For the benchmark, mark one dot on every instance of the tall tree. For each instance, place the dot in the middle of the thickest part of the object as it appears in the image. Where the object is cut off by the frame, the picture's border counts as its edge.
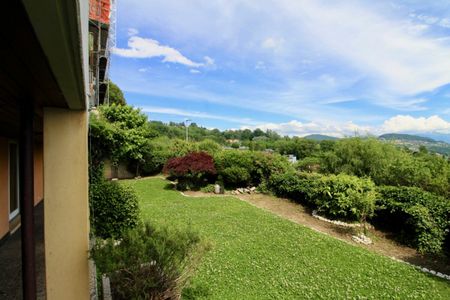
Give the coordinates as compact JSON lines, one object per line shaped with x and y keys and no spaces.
{"x":116,"y":95}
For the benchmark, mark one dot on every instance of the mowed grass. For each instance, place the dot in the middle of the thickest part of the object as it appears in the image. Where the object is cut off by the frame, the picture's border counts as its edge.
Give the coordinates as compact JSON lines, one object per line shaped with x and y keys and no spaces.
{"x":257,"y":255}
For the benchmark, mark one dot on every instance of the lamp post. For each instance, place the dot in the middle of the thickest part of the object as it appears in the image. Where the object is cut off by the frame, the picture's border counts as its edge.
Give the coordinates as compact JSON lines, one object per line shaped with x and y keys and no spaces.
{"x":187,"y":128}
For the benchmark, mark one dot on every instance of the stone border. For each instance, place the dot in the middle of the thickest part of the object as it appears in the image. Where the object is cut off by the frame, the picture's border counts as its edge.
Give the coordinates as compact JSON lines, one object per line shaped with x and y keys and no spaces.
{"x":425,"y":270}
{"x":339,"y":223}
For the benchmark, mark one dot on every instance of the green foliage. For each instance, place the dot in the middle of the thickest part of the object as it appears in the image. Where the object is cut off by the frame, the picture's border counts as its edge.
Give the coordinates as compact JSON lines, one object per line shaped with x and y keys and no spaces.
{"x":421,"y":219}
{"x":150,"y":262}
{"x":156,"y":152}
{"x":301,"y":148}
{"x":210,"y":188}
{"x":246,"y":168}
{"x":209,"y":146}
{"x":309,"y":164}
{"x":338,"y":196}
{"x":388,"y":165}
{"x":119,"y":133}
{"x":116,"y":95}
{"x":360,"y":157}
{"x":113,"y":208}
{"x":345,"y":196}
{"x":235,"y":176}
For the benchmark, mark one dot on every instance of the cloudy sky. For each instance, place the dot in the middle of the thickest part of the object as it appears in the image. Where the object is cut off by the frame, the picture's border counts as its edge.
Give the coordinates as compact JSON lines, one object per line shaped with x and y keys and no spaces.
{"x":295,"y":66}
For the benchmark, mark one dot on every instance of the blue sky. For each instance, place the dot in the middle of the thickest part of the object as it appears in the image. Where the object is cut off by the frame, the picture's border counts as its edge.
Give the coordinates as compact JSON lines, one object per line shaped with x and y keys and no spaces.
{"x":297,"y":67}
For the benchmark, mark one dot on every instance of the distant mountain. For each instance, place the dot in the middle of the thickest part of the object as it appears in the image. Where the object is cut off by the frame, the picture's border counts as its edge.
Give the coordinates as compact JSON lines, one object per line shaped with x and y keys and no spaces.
{"x":320,"y":137}
{"x":438,"y":136}
{"x":413,"y":142}
{"x":405,"y":137}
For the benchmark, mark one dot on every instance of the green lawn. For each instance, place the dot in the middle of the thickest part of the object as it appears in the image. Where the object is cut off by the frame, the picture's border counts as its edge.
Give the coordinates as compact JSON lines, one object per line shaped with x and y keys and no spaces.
{"x":257,"y":255}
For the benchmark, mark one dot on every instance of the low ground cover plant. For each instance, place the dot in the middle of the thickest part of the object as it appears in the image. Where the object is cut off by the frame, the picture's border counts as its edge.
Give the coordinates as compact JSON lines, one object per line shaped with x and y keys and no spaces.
{"x":150,"y":262}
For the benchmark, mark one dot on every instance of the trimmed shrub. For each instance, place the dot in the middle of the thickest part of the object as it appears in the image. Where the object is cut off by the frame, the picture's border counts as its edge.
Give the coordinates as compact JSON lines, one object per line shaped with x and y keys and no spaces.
{"x":192,"y":170}
{"x":210,"y":188}
{"x":345,"y":196}
{"x":236,"y":176}
{"x":338,"y":196}
{"x":149,"y":262}
{"x":421,"y":219}
{"x":297,"y":186}
{"x":209,"y":146}
{"x":113,"y":208}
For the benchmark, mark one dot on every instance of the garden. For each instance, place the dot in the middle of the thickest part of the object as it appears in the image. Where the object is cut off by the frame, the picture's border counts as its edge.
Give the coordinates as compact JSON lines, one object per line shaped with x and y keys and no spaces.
{"x":156,"y":243}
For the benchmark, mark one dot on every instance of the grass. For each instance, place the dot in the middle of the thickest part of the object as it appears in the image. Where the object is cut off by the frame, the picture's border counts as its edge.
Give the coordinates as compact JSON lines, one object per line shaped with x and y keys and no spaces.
{"x":257,"y":255}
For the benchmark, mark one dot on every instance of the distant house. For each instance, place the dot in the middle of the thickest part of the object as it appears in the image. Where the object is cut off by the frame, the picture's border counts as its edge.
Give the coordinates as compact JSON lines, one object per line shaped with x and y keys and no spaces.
{"x":292,"y":158}
{"x":48,"y":75}
{"x":233,"y":141}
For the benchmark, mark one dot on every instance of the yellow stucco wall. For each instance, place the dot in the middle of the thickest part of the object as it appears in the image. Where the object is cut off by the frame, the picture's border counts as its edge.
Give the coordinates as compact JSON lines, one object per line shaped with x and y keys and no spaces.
{"x":66,"y":207}
{"x":4,"y":200}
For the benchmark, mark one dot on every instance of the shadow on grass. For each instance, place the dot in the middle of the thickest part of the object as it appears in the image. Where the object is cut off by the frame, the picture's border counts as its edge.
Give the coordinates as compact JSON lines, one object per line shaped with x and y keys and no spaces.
{"x":170,"y":186}
{"x":195,"y":291}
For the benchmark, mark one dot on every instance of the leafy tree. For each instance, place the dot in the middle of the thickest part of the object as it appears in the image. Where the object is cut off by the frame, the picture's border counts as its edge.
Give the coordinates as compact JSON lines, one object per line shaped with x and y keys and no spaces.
{"x":116,"y":95}
{"x":119,"y":133}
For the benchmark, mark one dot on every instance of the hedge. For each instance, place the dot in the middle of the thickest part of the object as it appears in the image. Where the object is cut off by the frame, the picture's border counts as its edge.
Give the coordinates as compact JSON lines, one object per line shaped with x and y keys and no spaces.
{"x":248,"y":168}
{"x":421,"y":219}
{"x":113,"y":208}
{"x":339,"y":196}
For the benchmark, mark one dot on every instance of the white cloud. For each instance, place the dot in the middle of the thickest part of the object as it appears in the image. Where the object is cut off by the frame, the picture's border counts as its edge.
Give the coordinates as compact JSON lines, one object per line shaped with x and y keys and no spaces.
{"x":139,"y":47}
{"x":209,"y":61}
{"x":194,"y":71}
{"x":194,"y":114}
{"x":428,"y":19}
{"x":396,"y":124}
{"x":390,"y":57}
{"x":297,"y":128}
{"x":143,"y":70}
{"x":132,"y":31}
{"x":405,"y":123}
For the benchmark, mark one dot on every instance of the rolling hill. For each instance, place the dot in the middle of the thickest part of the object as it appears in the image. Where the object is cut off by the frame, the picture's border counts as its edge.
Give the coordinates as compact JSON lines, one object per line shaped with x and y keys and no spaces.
{"x":413,"y":142}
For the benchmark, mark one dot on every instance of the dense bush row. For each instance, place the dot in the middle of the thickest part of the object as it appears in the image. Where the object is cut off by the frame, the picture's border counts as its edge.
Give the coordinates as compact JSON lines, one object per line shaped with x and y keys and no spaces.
{"x":248,"y":168}
{"x":420,"y":219}
{"x":338,"y":196}
{"x":233,"y":168}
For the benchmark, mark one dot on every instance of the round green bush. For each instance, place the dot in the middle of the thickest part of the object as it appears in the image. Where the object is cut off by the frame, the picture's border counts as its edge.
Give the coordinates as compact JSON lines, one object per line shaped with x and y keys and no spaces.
{"x":236,"y":176}
{"x":114,"y":209}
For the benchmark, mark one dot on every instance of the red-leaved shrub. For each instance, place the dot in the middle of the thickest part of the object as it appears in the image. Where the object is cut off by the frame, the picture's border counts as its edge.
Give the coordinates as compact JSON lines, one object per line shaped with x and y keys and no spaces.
{"x":191,"y":170}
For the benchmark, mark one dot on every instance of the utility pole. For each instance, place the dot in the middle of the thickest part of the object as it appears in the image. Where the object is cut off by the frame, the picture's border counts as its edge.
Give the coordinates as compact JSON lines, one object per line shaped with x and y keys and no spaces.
{"x":187,"y":128}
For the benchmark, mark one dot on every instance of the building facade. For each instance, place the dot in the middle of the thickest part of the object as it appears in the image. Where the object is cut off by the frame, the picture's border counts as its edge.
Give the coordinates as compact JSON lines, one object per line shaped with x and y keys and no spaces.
{"x":47,"y":86}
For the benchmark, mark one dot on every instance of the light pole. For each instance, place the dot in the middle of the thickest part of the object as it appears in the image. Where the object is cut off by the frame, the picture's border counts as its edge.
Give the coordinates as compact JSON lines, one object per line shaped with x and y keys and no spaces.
{"x":187,"y":128}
